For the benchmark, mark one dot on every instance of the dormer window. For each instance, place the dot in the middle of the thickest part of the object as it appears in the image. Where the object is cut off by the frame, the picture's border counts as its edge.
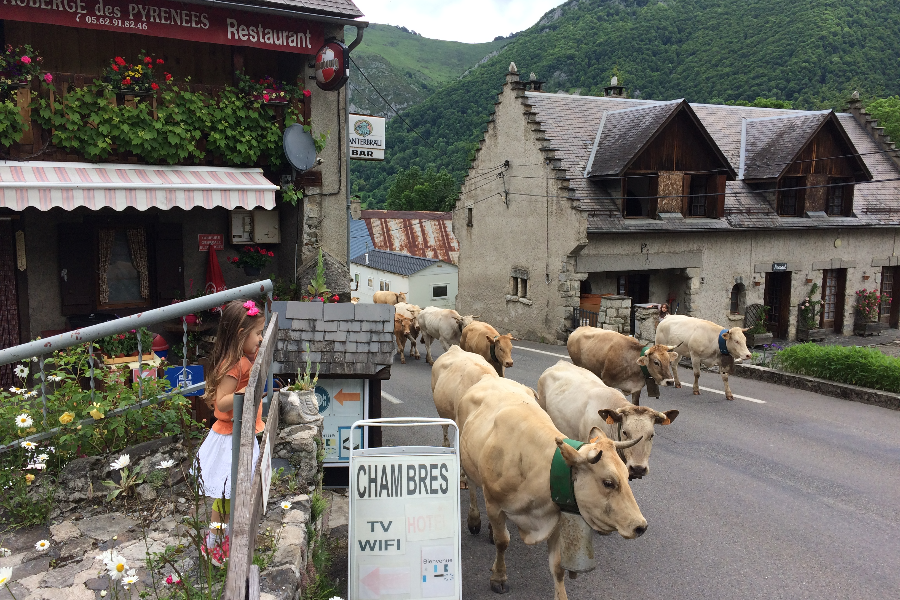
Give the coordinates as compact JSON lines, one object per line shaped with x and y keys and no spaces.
{"x":840,"y":197}
{"x":790,"y":196}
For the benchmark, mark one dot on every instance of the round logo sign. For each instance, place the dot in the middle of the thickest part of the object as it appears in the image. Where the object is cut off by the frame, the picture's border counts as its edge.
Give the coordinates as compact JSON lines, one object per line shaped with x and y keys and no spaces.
{"x":332,"y":66}
{"x":363,"y":128}
{"x":323,"y":397}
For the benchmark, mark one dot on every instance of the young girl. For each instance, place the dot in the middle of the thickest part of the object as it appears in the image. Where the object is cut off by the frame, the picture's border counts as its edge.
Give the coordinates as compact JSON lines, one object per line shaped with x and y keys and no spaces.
{"x":237,"y":342}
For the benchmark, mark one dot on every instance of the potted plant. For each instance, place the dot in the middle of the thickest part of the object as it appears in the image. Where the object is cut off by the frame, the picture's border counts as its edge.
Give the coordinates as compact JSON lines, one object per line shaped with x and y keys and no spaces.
{"x":865,"y":320}
{"x":18,"y":66}
{"x":252,"y":259}
{"x":808,"y":318}
{"x":267,"y":89}
{"x":138,"y":78}
{"x":298,"y":401}
{"x":757,"y":335}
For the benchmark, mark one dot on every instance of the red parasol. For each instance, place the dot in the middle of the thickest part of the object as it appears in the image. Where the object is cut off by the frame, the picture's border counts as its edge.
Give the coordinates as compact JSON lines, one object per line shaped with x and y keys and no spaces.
{"x":215,"y":281}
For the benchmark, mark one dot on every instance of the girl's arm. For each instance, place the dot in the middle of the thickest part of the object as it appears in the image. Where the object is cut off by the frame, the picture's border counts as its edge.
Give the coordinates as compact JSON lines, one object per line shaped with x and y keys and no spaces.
{"x":225,"y":393}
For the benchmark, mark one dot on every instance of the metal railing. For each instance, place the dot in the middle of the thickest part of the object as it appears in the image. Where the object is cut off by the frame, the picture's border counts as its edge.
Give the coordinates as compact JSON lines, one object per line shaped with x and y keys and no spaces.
{"x":41,"y":347}
{"x":582,"y":317}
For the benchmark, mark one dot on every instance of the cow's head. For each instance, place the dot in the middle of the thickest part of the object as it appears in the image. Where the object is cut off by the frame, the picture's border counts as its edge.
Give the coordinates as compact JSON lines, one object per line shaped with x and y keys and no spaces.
{"x":601,"y":486}
{"x":465,"y":321}
{"x":501,"y":348}
{"x":736,"y":343}
{"x":401,"y":297}
{"x":403,"y":326}
{"x":637,"y":422}
{"x":658,"y":360}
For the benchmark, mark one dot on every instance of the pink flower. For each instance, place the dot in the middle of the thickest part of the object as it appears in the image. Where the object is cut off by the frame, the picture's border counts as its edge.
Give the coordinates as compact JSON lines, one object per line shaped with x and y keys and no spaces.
{"x":266,"y":97}
{"x":169,"y":580}
{"x":26,"y":60}
{"x":48,"y":77}
{"x":307,"y":93}
{"x":271,"y":253}
{"x":253,"y":312}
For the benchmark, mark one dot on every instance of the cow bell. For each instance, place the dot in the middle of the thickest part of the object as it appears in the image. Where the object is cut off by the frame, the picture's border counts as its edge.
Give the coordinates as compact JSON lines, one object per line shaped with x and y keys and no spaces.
{"x":576,"y":544}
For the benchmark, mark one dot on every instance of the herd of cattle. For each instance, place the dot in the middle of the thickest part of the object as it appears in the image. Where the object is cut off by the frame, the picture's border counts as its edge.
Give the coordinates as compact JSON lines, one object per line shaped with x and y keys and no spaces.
{"x":509,"y":433}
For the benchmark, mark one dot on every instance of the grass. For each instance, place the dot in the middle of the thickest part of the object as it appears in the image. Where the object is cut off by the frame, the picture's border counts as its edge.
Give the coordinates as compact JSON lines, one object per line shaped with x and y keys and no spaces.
{"x":865,"y":367}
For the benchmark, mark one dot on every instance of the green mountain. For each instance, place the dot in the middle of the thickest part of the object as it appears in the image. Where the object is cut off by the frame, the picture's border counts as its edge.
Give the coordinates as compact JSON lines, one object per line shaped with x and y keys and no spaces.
{"x":811,"y":53}
{"x":406,"y":67}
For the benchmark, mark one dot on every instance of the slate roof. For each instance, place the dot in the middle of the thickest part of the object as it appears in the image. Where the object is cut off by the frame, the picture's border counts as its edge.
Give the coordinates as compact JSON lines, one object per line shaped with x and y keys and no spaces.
{"x":334,"y":8}
{"x":771,"y":143}
{"x":394,"y":262}
{"x":360,"y":240}
{"x":623,"y":133}
{"x":570,"y":125}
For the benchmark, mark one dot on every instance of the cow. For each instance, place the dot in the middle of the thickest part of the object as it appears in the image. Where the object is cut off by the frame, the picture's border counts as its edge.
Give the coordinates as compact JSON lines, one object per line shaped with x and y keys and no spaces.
{"x":577,"y":401}
{"x":507,"y":445}
{"x":410,"y":311}
{"x":454,"y":372}
{"x":388,"y":297}
{"x":483,"y":339}
{"x":706,"y":343}
{"x":405,"y":329}
{"x":442,"y":324}
{"x":621,"y":361}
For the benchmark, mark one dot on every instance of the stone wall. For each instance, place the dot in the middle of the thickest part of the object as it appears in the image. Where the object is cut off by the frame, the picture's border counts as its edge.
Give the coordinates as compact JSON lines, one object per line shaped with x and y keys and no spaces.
{"x":645,"y":321}
{"x":615,"y":314}
{"x":343,"y":339}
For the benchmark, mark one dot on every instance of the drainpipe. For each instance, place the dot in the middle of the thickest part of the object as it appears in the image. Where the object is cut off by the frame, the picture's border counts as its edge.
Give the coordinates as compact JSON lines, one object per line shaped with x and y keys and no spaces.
{"x":354,"y":44}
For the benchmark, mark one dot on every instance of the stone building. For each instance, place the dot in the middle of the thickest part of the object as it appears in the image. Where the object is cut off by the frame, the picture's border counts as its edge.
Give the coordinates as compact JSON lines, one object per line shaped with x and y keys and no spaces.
{"x":707,"y":208}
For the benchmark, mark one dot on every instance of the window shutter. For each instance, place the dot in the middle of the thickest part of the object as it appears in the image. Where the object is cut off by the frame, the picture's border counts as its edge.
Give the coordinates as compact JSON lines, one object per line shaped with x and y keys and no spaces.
{"x":717,"y":204}
{"x":848,"y":199}
{"x":654,"y":196}
{"x":623,"y":194}
{"x":77,"y":269}
{"x":168,"y":267}
{"x":686,"y":195}
{"x":801,"y":196}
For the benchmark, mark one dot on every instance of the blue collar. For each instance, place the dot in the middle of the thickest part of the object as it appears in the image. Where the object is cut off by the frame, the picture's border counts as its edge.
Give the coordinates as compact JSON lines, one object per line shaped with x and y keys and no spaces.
{"x":723,"y":349}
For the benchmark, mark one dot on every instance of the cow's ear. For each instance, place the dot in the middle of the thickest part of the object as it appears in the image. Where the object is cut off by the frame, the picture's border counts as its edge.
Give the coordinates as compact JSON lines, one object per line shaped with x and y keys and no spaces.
{"x":490,"y":339}
{"x":726,"y":335}
{"x":596,"y":435}
{"x":643,"y":361}
{"x":608,"y":415}
{"x":569,"y":454}
{"x":673,"y":356}
{"x":665,"y":418}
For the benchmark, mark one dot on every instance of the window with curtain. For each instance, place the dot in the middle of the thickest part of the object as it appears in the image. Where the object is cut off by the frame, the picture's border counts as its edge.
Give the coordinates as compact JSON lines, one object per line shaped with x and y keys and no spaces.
{"x":123,"y":267}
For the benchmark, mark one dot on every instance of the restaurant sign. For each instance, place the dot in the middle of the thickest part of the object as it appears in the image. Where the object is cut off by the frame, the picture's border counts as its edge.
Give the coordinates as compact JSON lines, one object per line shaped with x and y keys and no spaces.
{"x":161,"y":18}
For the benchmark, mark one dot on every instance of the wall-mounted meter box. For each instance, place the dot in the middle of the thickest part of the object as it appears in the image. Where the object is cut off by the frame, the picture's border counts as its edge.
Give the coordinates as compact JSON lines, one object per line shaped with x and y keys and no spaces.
{"x":258,"y":226}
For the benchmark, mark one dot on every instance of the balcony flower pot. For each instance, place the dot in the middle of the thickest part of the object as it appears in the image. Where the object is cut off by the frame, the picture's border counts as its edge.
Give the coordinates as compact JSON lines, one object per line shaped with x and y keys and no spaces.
{"x":865,"y":328}
{"x":816,"y":334}
{"x":252,"y":271}
{"x":759,"y":339}
{"x":299,"y":407}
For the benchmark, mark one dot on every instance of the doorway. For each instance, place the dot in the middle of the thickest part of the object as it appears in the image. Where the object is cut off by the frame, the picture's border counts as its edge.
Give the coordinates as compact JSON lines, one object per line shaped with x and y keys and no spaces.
{"x":778,"y":299}
{"x":889,"y":310}
{"x":635,"y":285}
{"x":9,"y":298}
{"x":834,"y":293}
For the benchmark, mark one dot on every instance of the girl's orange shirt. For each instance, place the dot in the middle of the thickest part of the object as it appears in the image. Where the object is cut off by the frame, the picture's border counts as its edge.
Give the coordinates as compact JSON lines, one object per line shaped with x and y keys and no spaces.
{"x":224,"y":420}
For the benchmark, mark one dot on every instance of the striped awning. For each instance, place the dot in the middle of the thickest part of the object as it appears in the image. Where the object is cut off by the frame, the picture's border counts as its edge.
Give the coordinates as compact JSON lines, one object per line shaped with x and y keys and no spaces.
{"x":68,"y":185}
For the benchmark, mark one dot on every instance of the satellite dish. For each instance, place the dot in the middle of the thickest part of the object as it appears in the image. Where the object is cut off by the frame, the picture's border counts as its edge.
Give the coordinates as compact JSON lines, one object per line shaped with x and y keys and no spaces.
{"x":299,"y":148}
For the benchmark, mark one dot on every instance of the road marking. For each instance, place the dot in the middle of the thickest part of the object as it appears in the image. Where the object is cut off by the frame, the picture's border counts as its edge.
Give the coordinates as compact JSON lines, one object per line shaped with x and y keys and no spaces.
{"x":747,"y":398}
{"x":389,"y":398}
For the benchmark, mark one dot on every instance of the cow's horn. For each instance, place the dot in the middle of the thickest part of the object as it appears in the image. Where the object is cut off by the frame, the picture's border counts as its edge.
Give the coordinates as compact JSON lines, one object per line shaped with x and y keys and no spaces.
{"x":627,"y":444}
{"x":670,"y":348}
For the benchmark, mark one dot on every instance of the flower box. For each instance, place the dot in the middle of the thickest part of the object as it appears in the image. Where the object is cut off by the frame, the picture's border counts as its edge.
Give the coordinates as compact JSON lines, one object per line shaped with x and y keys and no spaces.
{"x":759,"y":339}
{"x":272,"y":96}
{"x":868,"y":328}
{"x":127,"y":359}
{"x":816,"y":334}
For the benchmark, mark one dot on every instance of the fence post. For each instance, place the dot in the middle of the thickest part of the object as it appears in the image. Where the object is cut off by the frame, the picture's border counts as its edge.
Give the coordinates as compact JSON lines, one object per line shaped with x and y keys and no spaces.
{"x":238,"y":413}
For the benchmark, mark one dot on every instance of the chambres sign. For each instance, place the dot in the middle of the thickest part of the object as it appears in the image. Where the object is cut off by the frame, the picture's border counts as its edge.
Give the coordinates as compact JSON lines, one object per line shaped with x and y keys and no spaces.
{"x":161,"y":18}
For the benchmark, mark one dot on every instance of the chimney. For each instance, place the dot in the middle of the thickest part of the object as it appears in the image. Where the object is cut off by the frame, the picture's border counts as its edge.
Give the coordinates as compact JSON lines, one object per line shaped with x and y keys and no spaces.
{"x":367,"y":258}
{"x":614,"y":90}
{"x":534,"y":84}
{"x":513,"y":74}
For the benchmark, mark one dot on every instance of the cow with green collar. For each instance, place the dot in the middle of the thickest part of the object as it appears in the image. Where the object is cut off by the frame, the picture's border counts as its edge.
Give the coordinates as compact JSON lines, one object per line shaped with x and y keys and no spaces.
{"x":508,"y":445}
{"x":621,"y":361}
{"x":578,"y":401}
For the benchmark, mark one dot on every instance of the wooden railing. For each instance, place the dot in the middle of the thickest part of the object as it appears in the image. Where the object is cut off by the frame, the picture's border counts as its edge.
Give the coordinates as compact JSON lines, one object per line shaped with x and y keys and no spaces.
{"x":247,"y":501}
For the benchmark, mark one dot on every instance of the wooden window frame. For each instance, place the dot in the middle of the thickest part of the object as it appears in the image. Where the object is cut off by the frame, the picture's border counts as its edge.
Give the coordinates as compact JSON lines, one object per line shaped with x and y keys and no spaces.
{"x":796,"y":184}
{"x":844,"y":185}
{"x":714,"y":190}
{"x":120,"y":227}
{"x":653,"y":194}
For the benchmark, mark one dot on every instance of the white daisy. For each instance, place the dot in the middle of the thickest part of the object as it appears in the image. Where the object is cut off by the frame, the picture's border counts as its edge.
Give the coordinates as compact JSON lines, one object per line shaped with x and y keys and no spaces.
{"x":42,"y":545}
{"x":31,"y":394}
{"x":285,"y":505}
{"x":121,"y":463}
{"x":116,"y":567}
{"x":103,"y":593}
{"x":16,"y":390}
{"x":5,"y":552}
{"x":55,"y":378}
{"x":24,"y":421}
{"x":43,"y":457}
{"x":131,"y":579}
{"x":28,"y":445}
{"x":217,"y":526}
{"x":37,"y":467}
{"x":166,"y":464}
{"x":5,"y":575}
{"x":21,"y":371}
{"x":50,"y":449}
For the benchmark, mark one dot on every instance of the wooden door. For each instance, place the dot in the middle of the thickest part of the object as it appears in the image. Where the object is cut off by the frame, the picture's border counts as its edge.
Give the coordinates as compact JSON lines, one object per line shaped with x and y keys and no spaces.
{"x":889,"y":310}
{"x":9,"y":299}
{"x":778,"y":299}
{"x":638,"y":288}
{"x":834,"y":292}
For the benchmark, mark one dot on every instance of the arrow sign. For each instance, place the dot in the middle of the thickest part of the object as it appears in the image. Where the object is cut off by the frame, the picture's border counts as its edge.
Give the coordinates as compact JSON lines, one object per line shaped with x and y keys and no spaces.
{"x":343,"y":396}
{"x":381,"y":581}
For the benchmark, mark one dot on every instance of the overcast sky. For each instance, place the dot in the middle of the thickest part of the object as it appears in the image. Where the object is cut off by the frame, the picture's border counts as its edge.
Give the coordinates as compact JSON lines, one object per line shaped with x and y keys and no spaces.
{"x":461,"y":20}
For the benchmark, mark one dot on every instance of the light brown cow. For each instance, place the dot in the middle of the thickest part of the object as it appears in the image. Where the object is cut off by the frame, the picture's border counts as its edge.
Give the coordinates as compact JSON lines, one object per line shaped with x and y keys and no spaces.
{"x":405,"y":329}
{"x":410,"y":311}
{"x":483,"y":339}
{"x":388,"y":297}
{"x":706,"y":343}
{"x":617,"y":360}
{"x":507,"y":445}
{"x":577,"y":401}
{"x":454,"y":372}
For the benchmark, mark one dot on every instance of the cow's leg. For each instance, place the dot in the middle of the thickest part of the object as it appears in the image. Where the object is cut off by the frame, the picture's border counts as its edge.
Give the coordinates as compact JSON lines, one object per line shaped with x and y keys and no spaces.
{"x":428,"y":340}
{"x":445,"y":345}
{"x":413,"y":348}
{"x":554,"y":547}
{"x":695,"y":363}
{"x":446,"y":429}
{"x":636,"y":397}
{"x":474,"y":518}
{"x":497,"y":518}
{"x":726,"y":371}
{"x":675,"y":372}
{"x":401,"y":347}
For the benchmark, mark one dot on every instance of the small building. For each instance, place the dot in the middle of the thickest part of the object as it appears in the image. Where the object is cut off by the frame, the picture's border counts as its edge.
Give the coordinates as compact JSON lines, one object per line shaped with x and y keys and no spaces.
{"x":425,"y":281}
{"x":707,"y":208}
{"x":419,"y":233}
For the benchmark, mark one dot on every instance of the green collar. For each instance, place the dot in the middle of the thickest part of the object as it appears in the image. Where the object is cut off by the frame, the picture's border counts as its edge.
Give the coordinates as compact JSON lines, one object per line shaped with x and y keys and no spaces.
{"x":644,"y":369}
{"x":562,"y":490}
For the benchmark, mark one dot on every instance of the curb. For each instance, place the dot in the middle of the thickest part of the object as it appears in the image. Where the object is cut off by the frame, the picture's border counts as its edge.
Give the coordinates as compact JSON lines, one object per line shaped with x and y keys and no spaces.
{"x":820,"y":386}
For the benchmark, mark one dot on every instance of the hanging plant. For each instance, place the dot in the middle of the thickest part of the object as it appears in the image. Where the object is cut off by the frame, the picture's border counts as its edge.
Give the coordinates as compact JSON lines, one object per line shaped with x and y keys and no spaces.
{"x":18,"y":66}
{"x":252,"y":257}
{"x":139,"y":78}
{"x":11,"y":124}
{"x":267,"y":90}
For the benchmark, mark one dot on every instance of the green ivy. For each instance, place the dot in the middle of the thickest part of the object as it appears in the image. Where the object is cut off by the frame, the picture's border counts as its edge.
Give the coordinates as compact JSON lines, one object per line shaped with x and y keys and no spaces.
{"x":11,"y":124}
{"x":238,"y":129}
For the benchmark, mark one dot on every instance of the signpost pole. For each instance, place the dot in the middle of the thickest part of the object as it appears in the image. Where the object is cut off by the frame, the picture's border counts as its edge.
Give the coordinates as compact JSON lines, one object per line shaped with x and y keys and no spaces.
{"x":347,"y":163}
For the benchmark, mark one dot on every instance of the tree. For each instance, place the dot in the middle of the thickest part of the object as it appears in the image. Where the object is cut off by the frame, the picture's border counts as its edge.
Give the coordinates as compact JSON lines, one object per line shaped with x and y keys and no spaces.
{"x":414,"y":190}
{"x":887,"y":111}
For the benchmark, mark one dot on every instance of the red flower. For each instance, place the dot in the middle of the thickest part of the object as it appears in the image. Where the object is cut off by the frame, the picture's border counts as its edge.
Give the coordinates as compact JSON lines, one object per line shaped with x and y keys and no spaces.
{"x":262,"y":251}
{"x":115,"y":68}
{"x":154,"y":86}
{"x":120,"y":61}
{"x":149,"y":66}
{"x":159,"y":61}
{"x":168,"y":77}
{"x":265,"y":97}
{"x":148,"y":60}
{"x":271,"y":253}
{"x":248,"y":249}
{"x":335,"y":298}
{"x":127,"y":81}
{"x":307,"y":93}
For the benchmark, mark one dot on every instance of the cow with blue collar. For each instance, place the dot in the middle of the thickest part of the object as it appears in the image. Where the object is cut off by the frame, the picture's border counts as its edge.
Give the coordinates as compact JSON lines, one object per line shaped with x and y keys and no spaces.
{"x":707,"y":344}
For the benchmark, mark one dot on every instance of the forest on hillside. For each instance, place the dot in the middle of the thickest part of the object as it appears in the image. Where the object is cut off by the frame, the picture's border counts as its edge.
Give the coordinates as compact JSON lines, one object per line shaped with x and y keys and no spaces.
{"x":811,"y":53}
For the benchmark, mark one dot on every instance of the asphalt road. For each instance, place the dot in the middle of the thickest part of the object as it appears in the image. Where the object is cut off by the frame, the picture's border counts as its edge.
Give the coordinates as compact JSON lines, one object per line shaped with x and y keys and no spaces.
{"x":797,"y":496}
